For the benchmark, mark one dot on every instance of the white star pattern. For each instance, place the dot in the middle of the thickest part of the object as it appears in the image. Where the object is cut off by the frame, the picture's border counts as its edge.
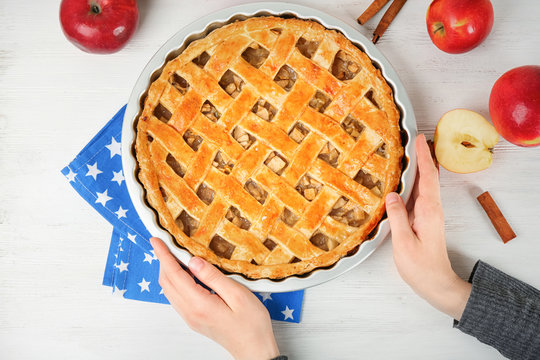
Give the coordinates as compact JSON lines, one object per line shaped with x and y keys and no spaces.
{"x":265,"y":296}
{"x":118,"y":177}
{"x":93,"y":171}
{"x":122,"y":267}
{"x":71,"y":175}
{"x":100,"y":180}
{"x":288,"y":313}
{"x":102,"y":198}
{"x":132,"y":238}
{"x":148,"y":258}
{"x":121,"y":212}
{"x":97,"y":175}
{"x":119,"y":292}
{"x":145,"y":285}
{"x":114,"y":147}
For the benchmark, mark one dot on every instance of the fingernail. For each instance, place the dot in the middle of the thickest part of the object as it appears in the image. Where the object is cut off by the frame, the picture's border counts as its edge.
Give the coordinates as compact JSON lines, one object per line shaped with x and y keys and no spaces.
{"x":195,"y":264}
{"x":392,"y":198}
{"x":153,"y":242}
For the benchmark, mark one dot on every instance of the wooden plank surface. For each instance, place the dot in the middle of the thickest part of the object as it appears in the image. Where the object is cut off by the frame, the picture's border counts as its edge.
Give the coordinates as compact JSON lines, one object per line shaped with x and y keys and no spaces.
{"x":54,"y":98}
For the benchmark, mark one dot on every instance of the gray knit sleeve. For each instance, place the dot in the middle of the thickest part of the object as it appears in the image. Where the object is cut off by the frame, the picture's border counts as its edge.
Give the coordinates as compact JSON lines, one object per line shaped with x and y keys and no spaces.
{"x":502,"y":312}
{"x":280,"y":357}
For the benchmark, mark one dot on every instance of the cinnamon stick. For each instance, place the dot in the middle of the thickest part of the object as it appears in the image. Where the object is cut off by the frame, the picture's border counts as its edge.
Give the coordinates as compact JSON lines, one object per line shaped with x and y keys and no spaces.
{"x":497,"y":218}
{"x":372,"y":9}
{"x":387,"y":18}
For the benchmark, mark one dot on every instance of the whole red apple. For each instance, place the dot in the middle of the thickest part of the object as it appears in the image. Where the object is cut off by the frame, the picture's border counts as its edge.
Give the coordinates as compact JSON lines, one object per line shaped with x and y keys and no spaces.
{"x":458,"y":26}
{"x":99,"y":26}
{"x":514,"y":105}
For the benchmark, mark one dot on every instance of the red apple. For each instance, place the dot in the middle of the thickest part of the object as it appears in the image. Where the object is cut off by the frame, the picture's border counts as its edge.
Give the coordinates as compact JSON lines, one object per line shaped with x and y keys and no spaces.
{"x":458,"y":26}
{"x":514,"y":105}
{"x":99,"y":26}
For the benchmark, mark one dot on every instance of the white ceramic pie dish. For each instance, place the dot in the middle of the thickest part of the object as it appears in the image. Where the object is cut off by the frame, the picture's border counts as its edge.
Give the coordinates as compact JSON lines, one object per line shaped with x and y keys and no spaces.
{"x":201,"y":28}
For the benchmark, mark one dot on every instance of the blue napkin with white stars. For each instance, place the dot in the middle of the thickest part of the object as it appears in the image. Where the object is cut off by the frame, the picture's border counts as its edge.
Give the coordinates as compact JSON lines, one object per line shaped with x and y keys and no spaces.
{"x":132,"y":269}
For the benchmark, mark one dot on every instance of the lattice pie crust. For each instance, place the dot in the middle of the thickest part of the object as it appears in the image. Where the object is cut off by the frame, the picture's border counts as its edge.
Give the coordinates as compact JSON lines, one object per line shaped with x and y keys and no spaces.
{"x":268,"y":146}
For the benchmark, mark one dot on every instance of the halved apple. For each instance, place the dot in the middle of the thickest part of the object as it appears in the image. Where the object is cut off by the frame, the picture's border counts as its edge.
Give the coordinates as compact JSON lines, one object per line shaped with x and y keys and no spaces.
{"x":464,"y":141}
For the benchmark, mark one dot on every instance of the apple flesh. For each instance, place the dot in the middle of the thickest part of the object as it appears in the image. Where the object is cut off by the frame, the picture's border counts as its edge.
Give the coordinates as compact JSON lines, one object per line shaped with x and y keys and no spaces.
{"x":99,"y":26}
{"x":458,"y":26}
{"x":464,"y":141}
{"x":514,"y":105}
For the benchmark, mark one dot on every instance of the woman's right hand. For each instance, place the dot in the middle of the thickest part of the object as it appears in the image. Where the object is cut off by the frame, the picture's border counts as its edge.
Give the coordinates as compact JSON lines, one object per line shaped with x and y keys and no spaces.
{"x":232,"y":316}
{"x":419,"y":243}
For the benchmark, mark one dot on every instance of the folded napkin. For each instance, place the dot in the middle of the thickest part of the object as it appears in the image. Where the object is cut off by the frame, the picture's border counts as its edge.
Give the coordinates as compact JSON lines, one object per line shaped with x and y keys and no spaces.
{"x":132,"y":269}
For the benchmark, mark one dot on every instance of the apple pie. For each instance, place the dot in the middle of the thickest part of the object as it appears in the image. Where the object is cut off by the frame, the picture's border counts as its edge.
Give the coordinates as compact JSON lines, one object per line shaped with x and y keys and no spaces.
{"x":267,"y":147}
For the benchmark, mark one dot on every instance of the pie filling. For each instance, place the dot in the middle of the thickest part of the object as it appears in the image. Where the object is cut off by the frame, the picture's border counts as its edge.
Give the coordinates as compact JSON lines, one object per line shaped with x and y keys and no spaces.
{"x":270,"y":245}
{"x":234,"y":216}
{"x":179,"y":83}
{"x":193,"y":140}
{"x":206,"y":194}
{"x":256,"y":191}
{"x":381,"y":151}
{"x":210,"y":111}
{"x":288,"y":217}
{"x":276,"y":163}
{"x":164,"y":194}
{"x":323,"y":242}
{"x":231,"y":83}
{"x":201,"y":60}
{"x":344,"y":67}
{"x":162,"y":113}
{"x":298,"y":132}
{"x":264,"y":110}
{"x":286,"y":77}
{"x":243,"y":137}
{"x":222,"y":163}
{"x":320,"y":101}
{"x":348,"y":213}
{"x":329,"y":154}
{"x":221,"y":247}
{"x":175,"y":165}
{"x":186,"y":223}
{"x":352,"y":127}
{"x":306,"y":47}
{"x":370,"y":95}
{"x":309,"y":187}
{"x":327,"y":97}
{"x":369,"y":181}
{"x":255,"y":54}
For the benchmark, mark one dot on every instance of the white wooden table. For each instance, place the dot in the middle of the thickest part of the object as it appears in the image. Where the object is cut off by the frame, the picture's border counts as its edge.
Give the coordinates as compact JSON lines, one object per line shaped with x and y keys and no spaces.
{"x":54,"y":98}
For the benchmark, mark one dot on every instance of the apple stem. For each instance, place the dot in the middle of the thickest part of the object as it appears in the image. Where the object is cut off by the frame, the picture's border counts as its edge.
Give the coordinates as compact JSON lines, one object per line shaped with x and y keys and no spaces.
{"x":438,"y":27}
{"x":94,"y":8}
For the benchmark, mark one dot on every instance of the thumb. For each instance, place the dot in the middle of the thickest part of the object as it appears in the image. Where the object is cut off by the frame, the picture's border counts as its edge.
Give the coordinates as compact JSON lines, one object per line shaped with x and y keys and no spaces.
{"x":399,"y":218}
{"x":207,"y":273}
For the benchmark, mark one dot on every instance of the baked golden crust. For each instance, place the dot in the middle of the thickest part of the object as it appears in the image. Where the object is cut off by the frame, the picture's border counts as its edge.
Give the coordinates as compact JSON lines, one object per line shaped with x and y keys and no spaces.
{"x":268,"y":146}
